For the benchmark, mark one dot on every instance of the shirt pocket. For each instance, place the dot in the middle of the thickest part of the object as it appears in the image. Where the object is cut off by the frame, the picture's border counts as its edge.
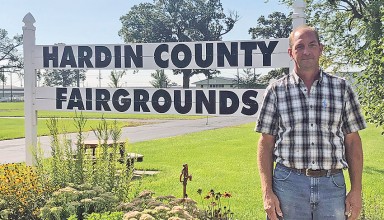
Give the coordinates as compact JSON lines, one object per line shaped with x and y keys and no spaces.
{"x":331,"y":115}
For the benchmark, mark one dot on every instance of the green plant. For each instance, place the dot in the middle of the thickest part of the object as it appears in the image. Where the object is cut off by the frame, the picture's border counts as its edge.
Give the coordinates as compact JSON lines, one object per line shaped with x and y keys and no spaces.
{"x":215,"y":209}
{"x":66,"y":164}
{"x":80,"y":151}
{"x":72,"y":165}
{"x":22,"y":192}
{"x":145,"y":206}
{"x":101,"y":216}
{"x":88,"y":183}
{"x":78,"y":200}
{"x":111,"y":169}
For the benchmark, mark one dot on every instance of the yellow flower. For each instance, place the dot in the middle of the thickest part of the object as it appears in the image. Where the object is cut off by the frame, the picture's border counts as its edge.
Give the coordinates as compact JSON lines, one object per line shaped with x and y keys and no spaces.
{"x":227,"y":195}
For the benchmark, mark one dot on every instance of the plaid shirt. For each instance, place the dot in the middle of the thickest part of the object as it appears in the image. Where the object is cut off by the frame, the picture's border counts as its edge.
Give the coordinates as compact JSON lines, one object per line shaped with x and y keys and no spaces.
{"x":309,"y":129}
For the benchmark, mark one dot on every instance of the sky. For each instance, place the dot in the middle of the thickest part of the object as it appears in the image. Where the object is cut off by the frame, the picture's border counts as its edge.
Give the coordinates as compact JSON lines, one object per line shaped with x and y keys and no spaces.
{"x":98,"y":22}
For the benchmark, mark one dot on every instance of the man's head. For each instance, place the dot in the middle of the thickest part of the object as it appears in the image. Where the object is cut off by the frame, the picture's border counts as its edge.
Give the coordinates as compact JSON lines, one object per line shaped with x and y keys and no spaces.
{"x":305,"y":48}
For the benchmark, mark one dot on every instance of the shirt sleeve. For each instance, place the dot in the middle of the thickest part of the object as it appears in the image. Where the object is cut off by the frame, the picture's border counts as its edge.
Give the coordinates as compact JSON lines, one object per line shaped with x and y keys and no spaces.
{"x":353,"y":119}
{"x":267,"y":121}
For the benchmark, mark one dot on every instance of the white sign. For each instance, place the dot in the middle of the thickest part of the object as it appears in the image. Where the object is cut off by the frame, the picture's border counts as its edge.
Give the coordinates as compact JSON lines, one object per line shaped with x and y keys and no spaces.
{"x":237,"y":102}
{"x":173,"y":55}
{"x":176,"y":55}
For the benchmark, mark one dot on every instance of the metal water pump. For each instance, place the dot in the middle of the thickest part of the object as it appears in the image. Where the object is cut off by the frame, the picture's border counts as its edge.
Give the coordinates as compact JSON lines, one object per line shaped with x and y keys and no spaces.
{"x":184,"y":177}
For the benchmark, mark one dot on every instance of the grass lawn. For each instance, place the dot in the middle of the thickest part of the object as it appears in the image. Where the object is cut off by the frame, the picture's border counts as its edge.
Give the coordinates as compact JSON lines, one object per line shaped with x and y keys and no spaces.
{"x":16,"y":109}
{"x":13,"y":121}
{"x":12,"y":128}
{"x":225,"y":160}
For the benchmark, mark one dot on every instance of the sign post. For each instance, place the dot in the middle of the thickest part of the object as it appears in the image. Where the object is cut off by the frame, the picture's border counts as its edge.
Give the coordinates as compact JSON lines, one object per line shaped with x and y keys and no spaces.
{"x":298,"y":15}
{"x":298,"y":19}
{"x":29,"y":88}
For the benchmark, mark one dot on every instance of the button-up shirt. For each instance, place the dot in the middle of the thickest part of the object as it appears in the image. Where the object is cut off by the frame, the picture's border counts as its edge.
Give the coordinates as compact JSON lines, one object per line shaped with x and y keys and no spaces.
{"x":309,"y":126}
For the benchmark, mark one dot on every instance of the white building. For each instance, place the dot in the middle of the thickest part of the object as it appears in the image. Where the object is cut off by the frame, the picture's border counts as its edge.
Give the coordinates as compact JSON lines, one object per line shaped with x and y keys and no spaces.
{"x":217,"y":82}
{"x":11,"y":93}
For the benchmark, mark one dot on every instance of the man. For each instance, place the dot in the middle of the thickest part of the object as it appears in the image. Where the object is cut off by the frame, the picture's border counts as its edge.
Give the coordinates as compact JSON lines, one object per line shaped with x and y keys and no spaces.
{"x":309,"y":123}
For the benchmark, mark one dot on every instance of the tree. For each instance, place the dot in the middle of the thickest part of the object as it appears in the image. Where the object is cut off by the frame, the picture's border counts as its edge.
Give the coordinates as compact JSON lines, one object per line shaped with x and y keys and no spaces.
{"x":161,"y":80}
{"x":3,"y":79}
{"x":9,"y":56}
{"x":248,"y":80}
{"x":273,"y":74}
{"x":115,"y":78}
{"x":10,"y":59}
{"x":352,"y":31}
{"x":177,"y":21}
{"x":278,"y":25}
{"x":371,"y":90}
{"x":64,"y":77}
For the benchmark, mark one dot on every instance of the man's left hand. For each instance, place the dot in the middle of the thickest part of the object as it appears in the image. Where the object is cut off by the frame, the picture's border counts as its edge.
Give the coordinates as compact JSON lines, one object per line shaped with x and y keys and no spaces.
{"x":353,"y":205}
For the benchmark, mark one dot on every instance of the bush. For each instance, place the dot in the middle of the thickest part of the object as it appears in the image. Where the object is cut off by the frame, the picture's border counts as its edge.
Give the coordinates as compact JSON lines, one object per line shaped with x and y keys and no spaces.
{"x":102,"y":216}
{"x":145,"y":206}
{"x":22,"y":192}
{"x":29,"y":192}
{"x":78,"y":201}
{"x":72,"y":165}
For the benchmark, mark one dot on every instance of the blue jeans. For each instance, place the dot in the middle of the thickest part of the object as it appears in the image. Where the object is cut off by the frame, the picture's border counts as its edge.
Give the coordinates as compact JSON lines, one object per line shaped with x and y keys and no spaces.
{"x":309,"y":198}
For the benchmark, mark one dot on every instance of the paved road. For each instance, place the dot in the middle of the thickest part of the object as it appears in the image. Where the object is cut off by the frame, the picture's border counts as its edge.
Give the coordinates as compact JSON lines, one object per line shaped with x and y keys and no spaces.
{"x":14,"y":150}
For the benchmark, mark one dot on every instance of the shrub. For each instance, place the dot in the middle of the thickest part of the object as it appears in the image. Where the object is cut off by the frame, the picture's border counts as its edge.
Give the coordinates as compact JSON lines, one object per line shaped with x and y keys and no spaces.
{"x":78,"y":201}
{"x":101,"y":216}
{"x":22,"y":192}
{"x":145,"y":206}
{"x":72,"y":165}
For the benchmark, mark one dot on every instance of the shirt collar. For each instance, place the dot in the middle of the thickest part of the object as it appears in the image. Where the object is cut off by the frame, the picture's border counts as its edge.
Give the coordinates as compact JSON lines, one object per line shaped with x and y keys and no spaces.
{"x":321,"y":77}
{"x":296,"y":79}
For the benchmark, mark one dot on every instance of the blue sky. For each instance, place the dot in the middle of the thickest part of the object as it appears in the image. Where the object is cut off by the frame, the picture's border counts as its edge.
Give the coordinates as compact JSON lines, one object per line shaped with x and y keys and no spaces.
{"x":97,"y":22}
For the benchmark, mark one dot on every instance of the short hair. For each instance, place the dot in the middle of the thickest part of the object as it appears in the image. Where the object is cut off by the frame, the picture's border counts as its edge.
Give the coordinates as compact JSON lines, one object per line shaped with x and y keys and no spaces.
{"x":303,"y":27}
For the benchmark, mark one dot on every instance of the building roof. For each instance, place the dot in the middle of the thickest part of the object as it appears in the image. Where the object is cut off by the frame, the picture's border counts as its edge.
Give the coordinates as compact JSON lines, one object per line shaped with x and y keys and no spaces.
{"x":9,"y":87}
{"x":217,"y":81}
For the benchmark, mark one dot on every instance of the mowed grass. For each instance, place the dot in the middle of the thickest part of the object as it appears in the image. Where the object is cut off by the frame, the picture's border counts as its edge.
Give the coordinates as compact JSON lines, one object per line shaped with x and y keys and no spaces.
{"x":12,"y":121}
{"x":225,"y":160}
{"x":12,"y":128}
{"x":16,"y":109}
{"x":222,"y":159}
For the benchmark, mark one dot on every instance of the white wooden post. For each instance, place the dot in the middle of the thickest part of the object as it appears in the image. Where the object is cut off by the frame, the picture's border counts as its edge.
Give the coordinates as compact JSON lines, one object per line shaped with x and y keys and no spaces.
{"x":29,"y":42}
{"x":298,"y":15}
{"x":298,"y":19}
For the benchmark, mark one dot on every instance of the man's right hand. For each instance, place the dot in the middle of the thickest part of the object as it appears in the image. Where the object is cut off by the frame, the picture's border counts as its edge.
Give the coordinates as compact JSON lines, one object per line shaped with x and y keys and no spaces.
{"x":272,"y":206}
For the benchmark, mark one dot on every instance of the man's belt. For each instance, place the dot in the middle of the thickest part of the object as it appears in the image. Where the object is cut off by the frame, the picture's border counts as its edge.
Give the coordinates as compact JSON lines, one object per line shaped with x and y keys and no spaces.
{"x":316,"y":173}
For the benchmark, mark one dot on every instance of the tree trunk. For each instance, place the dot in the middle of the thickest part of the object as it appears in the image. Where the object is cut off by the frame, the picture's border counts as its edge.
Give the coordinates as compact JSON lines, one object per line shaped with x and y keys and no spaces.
{"x":78,"y":78}
{"x":186,"y":77}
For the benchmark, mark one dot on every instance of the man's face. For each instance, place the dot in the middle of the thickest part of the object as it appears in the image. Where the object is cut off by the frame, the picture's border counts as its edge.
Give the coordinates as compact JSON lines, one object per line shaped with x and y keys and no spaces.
{"x":306,"y":50}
